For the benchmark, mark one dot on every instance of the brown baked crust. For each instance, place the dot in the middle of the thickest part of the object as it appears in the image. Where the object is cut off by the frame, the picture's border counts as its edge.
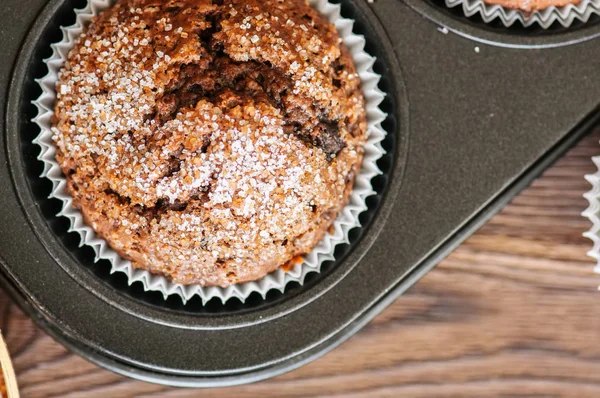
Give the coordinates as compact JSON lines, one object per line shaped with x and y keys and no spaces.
{"x":210,"y":141}
{"x":532,"y":5}
{"x":3,"y":392}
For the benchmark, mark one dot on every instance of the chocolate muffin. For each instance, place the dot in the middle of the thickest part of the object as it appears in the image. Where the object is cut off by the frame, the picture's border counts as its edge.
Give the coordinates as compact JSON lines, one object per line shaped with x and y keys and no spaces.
{"x":531,"y":5}
{"x":210,"y":141}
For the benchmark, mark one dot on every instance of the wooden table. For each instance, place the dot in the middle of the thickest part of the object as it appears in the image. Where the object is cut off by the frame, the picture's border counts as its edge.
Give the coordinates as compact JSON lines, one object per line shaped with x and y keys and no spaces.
{"x":514,"y":311}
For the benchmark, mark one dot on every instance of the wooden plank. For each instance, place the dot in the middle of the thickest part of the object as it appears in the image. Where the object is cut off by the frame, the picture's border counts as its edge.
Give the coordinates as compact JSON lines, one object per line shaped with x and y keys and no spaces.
{"x":513,"y":312}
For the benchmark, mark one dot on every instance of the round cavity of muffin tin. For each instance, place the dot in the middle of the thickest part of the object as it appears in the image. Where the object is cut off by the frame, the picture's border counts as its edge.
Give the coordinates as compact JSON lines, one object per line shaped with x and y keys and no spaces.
{"x":79,"y":261}
{"x":346,"y":220}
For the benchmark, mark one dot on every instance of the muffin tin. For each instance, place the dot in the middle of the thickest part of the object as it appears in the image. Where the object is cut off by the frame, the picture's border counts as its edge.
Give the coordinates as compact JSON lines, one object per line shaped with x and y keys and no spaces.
{"x":474,"y":113}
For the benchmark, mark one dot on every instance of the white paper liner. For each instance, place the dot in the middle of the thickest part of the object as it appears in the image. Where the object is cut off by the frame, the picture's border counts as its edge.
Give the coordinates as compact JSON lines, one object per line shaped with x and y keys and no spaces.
{"x":564,"y":15}
{"x":324,"y":251}
{"x":592,"y":213}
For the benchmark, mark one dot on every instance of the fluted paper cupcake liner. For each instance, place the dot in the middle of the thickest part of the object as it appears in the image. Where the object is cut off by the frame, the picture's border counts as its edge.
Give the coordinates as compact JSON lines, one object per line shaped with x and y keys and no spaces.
{"x":545,"y":18}
{"x":324,"y":251}
{"x":592,"y":213}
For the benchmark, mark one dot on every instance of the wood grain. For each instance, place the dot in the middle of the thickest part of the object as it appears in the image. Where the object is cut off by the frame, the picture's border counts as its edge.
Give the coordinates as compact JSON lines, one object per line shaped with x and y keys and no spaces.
{"x":513,"y":312}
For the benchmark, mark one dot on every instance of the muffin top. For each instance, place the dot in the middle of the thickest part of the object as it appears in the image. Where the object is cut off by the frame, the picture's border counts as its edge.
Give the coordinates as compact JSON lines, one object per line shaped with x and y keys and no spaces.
{"x":210,"y":141}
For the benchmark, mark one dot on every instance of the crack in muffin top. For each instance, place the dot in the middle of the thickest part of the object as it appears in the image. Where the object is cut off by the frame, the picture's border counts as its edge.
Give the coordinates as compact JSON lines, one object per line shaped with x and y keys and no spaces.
{"x":210,"y":141}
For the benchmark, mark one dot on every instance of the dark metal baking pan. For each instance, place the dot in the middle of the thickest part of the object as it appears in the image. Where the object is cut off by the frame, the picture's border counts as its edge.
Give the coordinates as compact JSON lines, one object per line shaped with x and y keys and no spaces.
{"x":475,"y":114}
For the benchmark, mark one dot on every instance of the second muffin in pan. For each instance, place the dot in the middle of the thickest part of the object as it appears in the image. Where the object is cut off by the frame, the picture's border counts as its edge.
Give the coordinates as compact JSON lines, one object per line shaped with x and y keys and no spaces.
{"x":542,"y":13}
